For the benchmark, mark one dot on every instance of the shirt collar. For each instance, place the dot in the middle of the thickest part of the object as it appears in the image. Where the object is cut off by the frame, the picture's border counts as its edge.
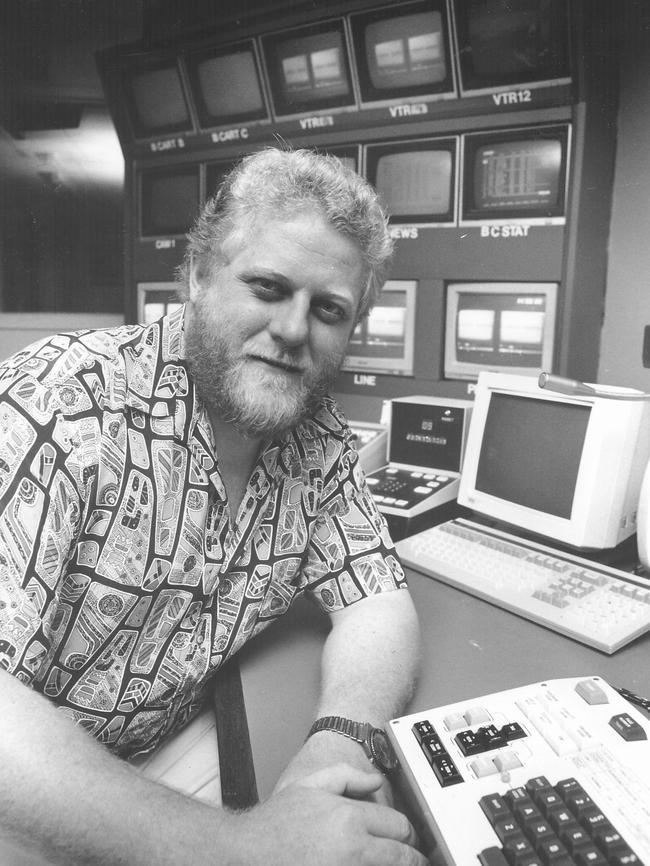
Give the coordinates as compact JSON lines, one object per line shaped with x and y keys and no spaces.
{"x":156,"y":374}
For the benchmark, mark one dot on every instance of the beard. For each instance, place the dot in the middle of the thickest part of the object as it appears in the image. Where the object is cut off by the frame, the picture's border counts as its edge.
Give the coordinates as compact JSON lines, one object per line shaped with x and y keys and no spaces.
{"x":255,"y":401}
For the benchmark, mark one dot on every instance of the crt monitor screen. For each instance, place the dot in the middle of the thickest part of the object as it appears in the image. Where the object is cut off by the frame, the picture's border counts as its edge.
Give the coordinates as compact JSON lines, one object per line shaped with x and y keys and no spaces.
{"x":403,"y":51}
{"x":155,"y":99}
{"x":169,"y":200}
{"x":227,"y":85}
{"x":384,"y":341}
{"x":499,"y":326}
{"x":309,"y":69}
{"x":541,"y":461}
{"x":515,"y":174}
{"x":503,"y":43}
{"x":415,"y":179}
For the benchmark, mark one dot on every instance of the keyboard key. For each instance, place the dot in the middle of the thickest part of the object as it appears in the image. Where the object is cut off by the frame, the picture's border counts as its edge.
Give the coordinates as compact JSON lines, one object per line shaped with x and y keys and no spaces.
{"x":494,"y":807}
{"x":492,"y":857}
{"x":627,"y":727}
{"x":589,"y":856}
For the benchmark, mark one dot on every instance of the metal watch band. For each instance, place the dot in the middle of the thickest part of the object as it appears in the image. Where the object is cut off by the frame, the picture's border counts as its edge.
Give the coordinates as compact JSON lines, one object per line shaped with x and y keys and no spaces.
{"x":340,"y":725}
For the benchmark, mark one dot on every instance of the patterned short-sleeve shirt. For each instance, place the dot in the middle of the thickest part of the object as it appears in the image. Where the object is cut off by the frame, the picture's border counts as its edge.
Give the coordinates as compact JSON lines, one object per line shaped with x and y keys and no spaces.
{"x":124,"y":582}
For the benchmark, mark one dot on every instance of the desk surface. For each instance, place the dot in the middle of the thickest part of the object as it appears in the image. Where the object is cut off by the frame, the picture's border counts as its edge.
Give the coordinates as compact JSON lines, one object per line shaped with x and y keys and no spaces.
{"x":470,"y":648}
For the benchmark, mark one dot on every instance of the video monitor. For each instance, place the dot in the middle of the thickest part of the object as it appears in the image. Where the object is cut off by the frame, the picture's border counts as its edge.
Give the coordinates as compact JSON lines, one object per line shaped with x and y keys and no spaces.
{"x":215,"y":172}
{"x":403,"y":52}
{"x":515,"y":175}
{"x":505,"y":43}
{"x":384,"y":341}
{"x":309,"y":69}
{"x":156,"y":300}
{"x":155,"y":97}
{"x":169,"y":200}
{"x":540,"y":461}
{"x":348,"y":154}
{"x":227,"y":85}
{"x":416,"y":180}
{"x":506,"y":326}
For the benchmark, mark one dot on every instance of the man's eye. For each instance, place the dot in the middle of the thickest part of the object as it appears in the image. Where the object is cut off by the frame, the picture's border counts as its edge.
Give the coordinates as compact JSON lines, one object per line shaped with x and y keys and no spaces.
{"x":267,"y":289}
{"x":330,"y":313}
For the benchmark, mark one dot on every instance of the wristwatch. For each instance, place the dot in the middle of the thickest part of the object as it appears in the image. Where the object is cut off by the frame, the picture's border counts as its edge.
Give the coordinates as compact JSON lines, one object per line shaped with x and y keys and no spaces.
{"x":374,"y":741}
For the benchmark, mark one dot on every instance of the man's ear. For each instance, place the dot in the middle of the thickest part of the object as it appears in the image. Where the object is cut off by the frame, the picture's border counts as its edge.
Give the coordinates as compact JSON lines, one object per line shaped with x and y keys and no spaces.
{"x":194,"y":285}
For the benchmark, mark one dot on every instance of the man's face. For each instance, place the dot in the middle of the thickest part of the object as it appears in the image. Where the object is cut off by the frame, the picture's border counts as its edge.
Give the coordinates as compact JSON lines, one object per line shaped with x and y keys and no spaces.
{"x":267,"y":337}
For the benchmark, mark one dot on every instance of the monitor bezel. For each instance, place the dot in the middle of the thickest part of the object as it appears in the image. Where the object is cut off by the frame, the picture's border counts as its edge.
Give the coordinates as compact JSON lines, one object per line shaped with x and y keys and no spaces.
{"x":455,"y":369}
{"x":130,"y":68}
{"x":471,"y":85}
{"x":470,"y":214}
{"x":374,"y":151}
{"x":405,"y":365}
{"x":282,"y":106}
{"x":371,"y":96}
{"x":192,"y":58}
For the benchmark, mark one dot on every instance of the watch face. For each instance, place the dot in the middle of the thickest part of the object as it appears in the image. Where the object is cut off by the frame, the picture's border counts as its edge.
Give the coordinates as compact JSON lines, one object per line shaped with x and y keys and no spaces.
{"x":382,"y":751}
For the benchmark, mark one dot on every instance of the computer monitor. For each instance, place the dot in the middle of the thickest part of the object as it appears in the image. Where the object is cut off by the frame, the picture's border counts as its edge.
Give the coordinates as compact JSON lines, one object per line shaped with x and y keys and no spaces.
{"x":499,"y":326}
{"x":505,"y":43}
{"x":416,"y":179}
{"x":564,"y":466}
{"x":227,"y":85}
{"x":403,"y":52}
{"x":515,"y":175}
{"x":309,"y":69}
{"x":155,"y":98}
{"x":384,"y":341}
{"x":169,"y":200}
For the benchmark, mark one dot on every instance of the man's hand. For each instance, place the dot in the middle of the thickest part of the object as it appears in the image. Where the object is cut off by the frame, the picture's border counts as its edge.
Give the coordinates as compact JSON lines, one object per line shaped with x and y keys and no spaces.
{"x":326,"y":748}
{"x":322,"y":821}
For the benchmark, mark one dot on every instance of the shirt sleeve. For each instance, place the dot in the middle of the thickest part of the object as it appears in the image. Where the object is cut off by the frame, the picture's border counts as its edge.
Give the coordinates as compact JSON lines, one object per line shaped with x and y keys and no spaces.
{"x":351,"y":554}
{"x":39,"y":516}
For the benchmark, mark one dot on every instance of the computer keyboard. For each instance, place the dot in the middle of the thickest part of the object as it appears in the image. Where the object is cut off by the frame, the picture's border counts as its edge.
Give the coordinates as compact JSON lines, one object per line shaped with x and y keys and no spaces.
{"x":601,"y":606}
{"x":548,"y":774}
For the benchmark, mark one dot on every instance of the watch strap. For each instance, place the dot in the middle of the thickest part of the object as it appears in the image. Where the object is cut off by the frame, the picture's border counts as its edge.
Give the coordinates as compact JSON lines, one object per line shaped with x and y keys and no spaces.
{"x":354,"y":730}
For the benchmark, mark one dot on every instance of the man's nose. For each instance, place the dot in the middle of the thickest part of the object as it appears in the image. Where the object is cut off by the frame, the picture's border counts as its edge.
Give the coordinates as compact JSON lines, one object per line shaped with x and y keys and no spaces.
{"x":289,"y":323}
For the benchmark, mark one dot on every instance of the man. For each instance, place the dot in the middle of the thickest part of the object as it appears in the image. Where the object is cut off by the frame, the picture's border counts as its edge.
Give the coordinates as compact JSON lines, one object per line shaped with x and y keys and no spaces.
{"x":166,"y":493}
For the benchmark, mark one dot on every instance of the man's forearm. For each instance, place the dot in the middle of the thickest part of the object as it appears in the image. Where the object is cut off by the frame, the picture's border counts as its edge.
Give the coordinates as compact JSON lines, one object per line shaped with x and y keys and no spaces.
{"x":65,"y":797}
{"x":370,"y":659}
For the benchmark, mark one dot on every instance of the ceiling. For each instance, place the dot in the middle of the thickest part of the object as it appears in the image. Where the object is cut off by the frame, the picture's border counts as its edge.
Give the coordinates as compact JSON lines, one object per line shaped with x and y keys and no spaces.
{"x":55,"y":129}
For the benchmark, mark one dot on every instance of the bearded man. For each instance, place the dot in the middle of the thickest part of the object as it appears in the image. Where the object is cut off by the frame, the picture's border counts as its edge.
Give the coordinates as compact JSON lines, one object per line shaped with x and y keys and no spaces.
{"x":166,"y":492}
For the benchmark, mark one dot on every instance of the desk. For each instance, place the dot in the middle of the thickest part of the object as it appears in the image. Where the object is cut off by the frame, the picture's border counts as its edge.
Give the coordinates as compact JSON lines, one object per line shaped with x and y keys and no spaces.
{"x":470,"y":648}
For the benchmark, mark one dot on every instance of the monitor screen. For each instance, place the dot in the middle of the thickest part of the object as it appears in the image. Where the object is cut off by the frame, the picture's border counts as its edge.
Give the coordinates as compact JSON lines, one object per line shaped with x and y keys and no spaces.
{"x":227,"y":85}
{"x":169,"y":200}
{"x":155,"y":98}
{"x":540,"y":461}
{"x":428,"y":432}
{"x":383,"y":342}
{"x":503,"y":43}
{"x":309,"y":69}
{"x":416,"y":180}
{"x":515,"y":175}
{"x":499,"y":326}
{"x":403,"y":51}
